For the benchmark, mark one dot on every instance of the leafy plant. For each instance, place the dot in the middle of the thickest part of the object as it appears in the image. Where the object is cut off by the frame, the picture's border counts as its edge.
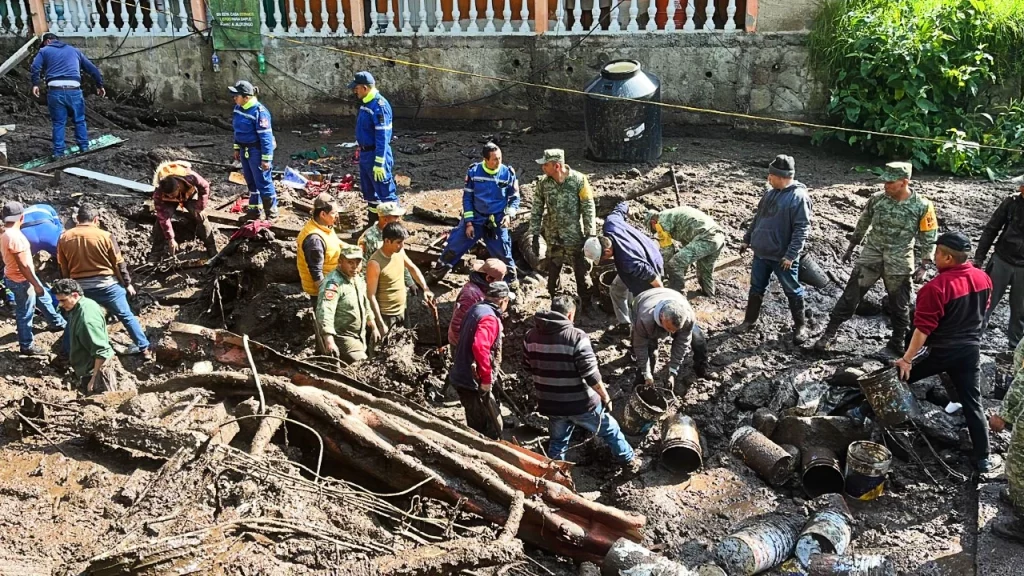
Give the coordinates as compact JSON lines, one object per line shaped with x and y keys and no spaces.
{"x":924,"y":68}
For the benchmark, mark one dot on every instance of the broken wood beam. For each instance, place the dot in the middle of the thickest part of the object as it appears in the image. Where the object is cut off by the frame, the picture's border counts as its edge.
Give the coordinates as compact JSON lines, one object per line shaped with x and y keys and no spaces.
{"x":27,"y":172}
{"x":435,"y":216}
{"x":266,"y":429}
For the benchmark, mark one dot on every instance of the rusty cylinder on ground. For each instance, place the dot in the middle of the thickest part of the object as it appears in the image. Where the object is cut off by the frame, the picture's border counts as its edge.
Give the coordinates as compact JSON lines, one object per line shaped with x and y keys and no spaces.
{"x":821,"y":472}
{"x":829,"y":530}
{"x":628,"y":557}
{"x":680,"y":445}
{"x":763,"y":456}
{"x":758,"y":547}
{"x":852,"y":565}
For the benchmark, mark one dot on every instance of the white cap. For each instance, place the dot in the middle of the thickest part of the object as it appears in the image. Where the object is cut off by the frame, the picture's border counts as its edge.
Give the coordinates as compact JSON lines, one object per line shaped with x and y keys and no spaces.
{"x":592,"y":249}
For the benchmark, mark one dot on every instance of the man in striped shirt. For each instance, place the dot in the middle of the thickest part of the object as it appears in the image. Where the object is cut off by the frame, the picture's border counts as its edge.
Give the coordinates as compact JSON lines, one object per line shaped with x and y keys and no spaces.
{"x":567,"y":383}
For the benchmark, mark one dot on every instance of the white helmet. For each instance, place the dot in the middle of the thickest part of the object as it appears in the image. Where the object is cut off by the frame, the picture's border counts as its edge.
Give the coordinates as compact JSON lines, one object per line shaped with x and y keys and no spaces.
{"x":592,"y":249}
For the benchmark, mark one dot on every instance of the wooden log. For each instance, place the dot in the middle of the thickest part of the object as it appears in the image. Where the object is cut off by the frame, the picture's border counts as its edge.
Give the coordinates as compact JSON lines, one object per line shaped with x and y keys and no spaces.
{"x":266,"y":429}
{"x":435,"y":216}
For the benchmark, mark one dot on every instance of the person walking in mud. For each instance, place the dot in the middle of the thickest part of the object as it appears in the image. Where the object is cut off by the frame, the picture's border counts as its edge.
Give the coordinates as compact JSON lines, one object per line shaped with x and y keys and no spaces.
{"x":482,"y":273}
{"x":896,"y":226}
{"x":1007,"y":265}
{"x":563,"y":212}
{"x":661,"y":312}
{"x":1011,"y":413}
{"x":490,"y":200}
{"x":777,"y":235}
{"x":177,"y":185}
{"x":638,"y":263}
{"x":688,"y":236}
{"x":254,"y":148}
{"x":373,"y":135}
{"x":61,"y":65}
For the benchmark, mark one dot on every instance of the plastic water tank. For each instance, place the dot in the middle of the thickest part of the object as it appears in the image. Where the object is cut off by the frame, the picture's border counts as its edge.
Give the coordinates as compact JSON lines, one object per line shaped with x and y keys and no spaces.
{"x":623,"y":130}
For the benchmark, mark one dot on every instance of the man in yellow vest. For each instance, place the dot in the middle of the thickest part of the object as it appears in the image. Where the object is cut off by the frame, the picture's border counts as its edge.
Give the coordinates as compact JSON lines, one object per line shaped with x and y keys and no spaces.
{"x":318,"y":245}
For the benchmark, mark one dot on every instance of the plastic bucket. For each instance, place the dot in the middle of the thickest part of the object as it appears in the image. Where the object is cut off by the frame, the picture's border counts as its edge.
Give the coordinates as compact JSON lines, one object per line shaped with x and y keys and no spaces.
{"x":680,"y":445}
{"x":892,"y":401}
{"x":647,"y":405}
{"x":867,"y":463}
{"x":810,"y":273}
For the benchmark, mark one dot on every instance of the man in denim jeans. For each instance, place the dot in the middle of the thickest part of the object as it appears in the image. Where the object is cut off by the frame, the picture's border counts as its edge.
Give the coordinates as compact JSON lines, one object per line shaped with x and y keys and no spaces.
{"x":21,"y":279}
{"x":61,"y":65}
{"x":567,"y":383}
{"x":90,"y":255}
{"x":777,"y":236}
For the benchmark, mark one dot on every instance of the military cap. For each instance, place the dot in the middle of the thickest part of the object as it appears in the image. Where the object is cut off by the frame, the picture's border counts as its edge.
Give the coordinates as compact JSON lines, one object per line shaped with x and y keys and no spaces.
{"x":552,"y":155}
{"x":390,"y":209}
{"x":500,"y":289}
{"x":351,"y":252}
{"x":897,"y":171}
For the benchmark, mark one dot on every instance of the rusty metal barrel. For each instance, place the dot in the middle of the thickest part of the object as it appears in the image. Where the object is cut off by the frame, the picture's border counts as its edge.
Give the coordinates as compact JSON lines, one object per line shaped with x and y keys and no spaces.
{"x":852,"y":565}
{"x":646,"y":405}
{"x":763,"y":456}
{"x":680,"y":445}
{"x":821,"y":472}
{"x":828,"y":531}
{"x":759,"y":547}
{"x":890,"y":398}
{"x":628,"y":557}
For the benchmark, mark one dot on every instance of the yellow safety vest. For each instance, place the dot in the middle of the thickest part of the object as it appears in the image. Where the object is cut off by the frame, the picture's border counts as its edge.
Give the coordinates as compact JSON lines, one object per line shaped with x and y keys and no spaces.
{"x":332,"y":251}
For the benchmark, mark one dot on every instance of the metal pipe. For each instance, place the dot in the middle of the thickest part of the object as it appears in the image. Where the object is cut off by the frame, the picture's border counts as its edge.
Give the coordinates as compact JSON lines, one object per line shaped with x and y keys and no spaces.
{"x":765,"y":457}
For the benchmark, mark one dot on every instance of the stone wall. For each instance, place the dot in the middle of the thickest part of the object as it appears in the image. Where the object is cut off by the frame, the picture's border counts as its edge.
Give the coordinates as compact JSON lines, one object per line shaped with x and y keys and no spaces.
{"x":764,"y":74}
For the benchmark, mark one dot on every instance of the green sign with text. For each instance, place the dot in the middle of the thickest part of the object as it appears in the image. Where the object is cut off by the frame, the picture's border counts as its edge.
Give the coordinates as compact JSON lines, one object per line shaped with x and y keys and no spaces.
{"x":236,"y":25}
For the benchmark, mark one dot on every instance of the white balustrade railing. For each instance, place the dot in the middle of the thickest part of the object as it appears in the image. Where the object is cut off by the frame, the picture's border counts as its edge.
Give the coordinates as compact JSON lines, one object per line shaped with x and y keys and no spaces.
{"x":386,"y":17}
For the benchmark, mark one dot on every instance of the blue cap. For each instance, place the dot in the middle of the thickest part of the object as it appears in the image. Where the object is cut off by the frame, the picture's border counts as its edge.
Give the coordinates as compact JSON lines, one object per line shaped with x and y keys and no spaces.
{"x":363,"y":78}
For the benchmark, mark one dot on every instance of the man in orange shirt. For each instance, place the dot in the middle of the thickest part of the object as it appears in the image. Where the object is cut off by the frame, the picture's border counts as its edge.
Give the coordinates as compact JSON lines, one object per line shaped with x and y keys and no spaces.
{"x":21,"y":279}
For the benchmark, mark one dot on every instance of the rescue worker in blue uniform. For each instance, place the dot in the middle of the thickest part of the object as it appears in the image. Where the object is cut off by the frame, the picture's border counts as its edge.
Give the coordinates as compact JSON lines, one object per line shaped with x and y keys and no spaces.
{"x":490,"y":201}
{"x":373,"y":135}
{"x":254,"y":148}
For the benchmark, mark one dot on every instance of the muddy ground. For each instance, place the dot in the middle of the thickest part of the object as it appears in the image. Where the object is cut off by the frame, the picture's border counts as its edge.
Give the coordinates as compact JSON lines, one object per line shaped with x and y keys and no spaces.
{"x":51,"y":509}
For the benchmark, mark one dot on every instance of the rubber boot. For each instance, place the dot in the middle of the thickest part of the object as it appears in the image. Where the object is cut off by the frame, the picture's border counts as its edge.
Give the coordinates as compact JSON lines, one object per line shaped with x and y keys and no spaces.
{"x":269,"y":209}
{"x":371,"y":216}
{"x":700,"y":365}
{"x":827,"y":337}
{"x":796,"y":308}
{"x":437,"y":274}
{"x":897,"y":342}
{"x":753,"y":312}
{"x":252,"y":214}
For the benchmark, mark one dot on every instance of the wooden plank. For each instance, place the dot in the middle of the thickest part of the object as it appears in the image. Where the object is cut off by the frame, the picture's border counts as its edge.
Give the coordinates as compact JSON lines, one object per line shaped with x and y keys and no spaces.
{"x":107,"y":178}
{"x":105,"y":141}
{"x":26,"y":172}
{"x":17,"y":57}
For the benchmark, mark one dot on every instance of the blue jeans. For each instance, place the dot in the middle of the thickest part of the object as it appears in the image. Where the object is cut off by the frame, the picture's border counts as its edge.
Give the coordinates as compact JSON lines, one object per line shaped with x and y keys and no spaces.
{"x":64,"y":103}
{"x":761,"y":274}
{"x":561,"y":427}
{"x":25,"y":300}
{"x":115,"y":300}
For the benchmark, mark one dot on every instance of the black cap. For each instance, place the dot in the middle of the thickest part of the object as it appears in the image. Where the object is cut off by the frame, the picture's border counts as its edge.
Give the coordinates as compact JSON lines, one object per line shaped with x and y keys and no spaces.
{"x":954,"y":241}
{"x":363,"y":78}
{"x":783,"y":166}
{"x":242,"y":88}
{"x":47,"y":37}
{"x":12,"y":212}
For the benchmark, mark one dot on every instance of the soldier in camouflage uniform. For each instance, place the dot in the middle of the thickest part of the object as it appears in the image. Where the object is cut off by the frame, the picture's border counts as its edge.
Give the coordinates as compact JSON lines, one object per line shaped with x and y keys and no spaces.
{"x":896,"y":226}
{"x":343,"y":313}
{"x":687,"y":236}
{"x":1012,"y":413}
{"x":566,"y":197}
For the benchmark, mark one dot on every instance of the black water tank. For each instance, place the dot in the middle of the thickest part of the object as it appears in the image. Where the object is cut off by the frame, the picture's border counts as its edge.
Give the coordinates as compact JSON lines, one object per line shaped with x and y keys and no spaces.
{"x":623,"y":130}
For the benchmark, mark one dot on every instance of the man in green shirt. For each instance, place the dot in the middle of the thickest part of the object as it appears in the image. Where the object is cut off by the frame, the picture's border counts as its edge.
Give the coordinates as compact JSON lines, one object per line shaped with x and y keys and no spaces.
{"x":343,"y":313}
{"x":92,"y":357}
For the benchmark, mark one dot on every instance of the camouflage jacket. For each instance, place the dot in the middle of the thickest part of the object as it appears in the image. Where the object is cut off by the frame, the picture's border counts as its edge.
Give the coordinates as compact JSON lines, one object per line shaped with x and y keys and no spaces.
{"x":566,"y":210}
{"x":683,"y":225}
{"x":895,"y":232}
{"x":1013,"y":403}
{"x":342,"y":308}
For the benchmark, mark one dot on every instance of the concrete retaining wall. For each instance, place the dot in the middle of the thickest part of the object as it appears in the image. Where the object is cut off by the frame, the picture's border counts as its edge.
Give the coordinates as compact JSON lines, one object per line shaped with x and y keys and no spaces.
{"x":764,"y":73}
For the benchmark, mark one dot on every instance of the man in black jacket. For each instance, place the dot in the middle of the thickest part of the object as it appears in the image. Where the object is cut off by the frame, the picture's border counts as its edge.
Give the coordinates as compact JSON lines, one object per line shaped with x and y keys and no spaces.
{"x":567,"y":382}
{"x":1007,"y":265}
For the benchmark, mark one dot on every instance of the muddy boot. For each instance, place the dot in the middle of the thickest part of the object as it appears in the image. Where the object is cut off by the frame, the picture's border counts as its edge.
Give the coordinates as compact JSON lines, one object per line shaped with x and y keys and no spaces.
{"x":897,"y":342}
{"x":252,"y":214}
{"x":1012,"y":530}
{"x":754,"y":302}
{"x":270,"y":208}
{"x":209,"y":239}
{"x":437,"y":274}
{"x":827,"y":337}
{"x":796,"y":308}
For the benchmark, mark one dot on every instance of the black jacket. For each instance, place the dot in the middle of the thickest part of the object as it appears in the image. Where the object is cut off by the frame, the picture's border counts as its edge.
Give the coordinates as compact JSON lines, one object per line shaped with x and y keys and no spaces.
{"x":1007,"y":222}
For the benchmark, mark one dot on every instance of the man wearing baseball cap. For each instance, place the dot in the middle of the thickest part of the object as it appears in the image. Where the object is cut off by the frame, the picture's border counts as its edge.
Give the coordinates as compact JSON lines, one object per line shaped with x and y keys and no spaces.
{"x":564,"y":214}
{"x":373,"y":135}
{"x":254,"y":148}
{"x":482,"y":274}
{"x":1007,"y":265}
{"x":948,"y":317}
{"x":897,"y":226}
{"x":343,"y":315}
{"x":20,"y":278}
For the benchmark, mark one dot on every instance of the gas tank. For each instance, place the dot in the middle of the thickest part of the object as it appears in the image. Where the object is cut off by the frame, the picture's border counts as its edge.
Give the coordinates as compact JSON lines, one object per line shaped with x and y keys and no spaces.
{"x":623,"y":130}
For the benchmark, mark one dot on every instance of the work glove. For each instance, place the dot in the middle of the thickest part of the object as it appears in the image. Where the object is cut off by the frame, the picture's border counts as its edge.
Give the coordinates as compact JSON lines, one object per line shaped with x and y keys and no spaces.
{"x":378,"y":174}
{"x":670,"y":381}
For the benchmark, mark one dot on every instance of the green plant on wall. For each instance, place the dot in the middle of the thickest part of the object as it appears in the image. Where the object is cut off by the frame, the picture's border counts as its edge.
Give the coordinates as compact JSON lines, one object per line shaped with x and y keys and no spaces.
{"x":934,"y":69}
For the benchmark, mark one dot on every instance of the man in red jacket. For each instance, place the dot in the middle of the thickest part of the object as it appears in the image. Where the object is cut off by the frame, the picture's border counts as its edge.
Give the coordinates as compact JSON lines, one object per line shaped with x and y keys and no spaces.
{"x":950,"y":310}
{"x":482,"y":273}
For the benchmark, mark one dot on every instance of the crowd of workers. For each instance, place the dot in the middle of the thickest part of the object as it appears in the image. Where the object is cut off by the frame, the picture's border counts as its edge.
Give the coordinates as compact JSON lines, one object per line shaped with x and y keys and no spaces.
{"x":355,"y":304}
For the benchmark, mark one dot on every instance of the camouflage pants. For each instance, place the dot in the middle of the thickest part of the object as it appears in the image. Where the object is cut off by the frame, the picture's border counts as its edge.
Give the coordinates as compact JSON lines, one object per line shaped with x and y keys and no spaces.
{"x":559,"y":256}
{"x":863,"y":277}
{"x":1015,"y":468}
{"x":702,"y":251}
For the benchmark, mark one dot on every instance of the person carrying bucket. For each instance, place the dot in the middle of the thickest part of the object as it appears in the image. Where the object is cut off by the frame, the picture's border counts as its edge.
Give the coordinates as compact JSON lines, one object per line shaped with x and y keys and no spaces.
{"x":1012,"y":412}
{"x":567,"y":382}
{"x":661,"y":312}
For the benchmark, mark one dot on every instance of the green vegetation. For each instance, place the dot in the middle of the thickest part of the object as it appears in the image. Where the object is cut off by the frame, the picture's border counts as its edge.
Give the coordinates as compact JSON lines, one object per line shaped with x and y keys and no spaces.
{"x":927,"y":68}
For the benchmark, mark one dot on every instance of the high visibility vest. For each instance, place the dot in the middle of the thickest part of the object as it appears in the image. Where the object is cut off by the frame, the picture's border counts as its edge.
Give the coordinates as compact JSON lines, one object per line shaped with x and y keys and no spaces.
{"x":332,"y":252}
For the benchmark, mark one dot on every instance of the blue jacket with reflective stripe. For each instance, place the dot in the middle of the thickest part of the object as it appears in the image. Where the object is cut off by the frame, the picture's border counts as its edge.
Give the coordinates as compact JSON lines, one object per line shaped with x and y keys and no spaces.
{"x":373,"y":125}
{"x":253,"y":126}
{"x":486,"y":194}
